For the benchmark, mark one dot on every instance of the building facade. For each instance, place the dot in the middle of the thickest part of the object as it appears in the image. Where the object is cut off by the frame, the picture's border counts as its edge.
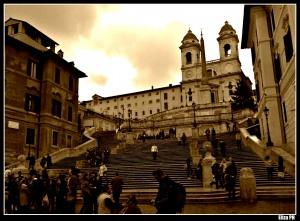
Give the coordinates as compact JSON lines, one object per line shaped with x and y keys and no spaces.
{"x":41,"y":93}
{"x":270,"y":32}
{"x":207,"y":84}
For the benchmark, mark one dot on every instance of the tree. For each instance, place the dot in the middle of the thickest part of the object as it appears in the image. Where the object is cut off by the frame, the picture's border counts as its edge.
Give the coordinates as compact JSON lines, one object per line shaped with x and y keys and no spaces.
{"x":242,"y":97}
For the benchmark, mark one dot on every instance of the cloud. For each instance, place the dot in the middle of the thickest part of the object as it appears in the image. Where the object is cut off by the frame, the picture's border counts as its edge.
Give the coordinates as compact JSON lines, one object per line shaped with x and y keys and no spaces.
{"x":60,"y":22}
{"x":97,"y":79}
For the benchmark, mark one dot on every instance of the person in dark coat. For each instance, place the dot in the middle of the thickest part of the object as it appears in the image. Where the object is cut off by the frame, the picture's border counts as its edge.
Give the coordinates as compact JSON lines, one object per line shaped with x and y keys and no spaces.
{"x":43,"y":162}
{"x":183,"y":139}
{"x":230,"y":179}
{"x":117,"y":186}
{"x":49,"y":161}
{"x":165,"y":201}
{"x":223,"y":148}
{"x":131,"y":206}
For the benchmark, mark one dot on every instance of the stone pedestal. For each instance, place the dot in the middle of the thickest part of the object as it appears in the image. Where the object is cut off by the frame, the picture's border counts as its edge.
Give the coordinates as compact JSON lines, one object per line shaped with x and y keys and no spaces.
{"x":247,"y":185}
{"x":195,"y":133}
{"x":207,"y":175}
{"x":121,"y":136}
{"x":130,"y":138}
{"x":194,"y":151}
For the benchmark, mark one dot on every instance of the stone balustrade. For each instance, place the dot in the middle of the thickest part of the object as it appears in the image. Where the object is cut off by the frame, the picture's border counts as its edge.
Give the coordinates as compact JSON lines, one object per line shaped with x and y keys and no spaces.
{"x":258,"y":147}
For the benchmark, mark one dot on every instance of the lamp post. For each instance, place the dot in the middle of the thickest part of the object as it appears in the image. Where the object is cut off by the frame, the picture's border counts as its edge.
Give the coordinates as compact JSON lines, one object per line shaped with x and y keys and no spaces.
{"x":194,"y":108}
{"x":119,"y":120}
{"x":231,"y":103}
{"x":266,"y":111}
{"x":129,"y":116}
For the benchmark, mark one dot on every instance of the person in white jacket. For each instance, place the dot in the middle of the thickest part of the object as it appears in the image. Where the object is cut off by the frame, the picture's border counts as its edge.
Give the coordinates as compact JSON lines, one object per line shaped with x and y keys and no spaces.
{"x":103,"y":172}
{"x":154,"y":150}
{"x":105,"y":201}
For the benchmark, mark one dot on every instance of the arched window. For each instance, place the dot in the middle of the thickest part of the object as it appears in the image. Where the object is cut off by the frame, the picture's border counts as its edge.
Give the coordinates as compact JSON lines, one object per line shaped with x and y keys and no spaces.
{"x":227,"y":50}
{"x":188,"y":57}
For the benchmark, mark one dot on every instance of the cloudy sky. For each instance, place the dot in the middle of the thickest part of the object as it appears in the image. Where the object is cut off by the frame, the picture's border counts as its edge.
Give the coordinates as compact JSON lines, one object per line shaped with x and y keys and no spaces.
{"x":130,"y":47}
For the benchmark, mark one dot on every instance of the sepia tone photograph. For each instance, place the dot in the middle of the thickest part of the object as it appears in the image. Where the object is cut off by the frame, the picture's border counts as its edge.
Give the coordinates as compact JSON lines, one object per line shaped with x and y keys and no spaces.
{"x":149,"y":109}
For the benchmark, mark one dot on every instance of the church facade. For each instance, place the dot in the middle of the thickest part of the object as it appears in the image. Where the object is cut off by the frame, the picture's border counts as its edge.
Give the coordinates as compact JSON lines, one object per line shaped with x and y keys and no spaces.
{"x":205,"y":85}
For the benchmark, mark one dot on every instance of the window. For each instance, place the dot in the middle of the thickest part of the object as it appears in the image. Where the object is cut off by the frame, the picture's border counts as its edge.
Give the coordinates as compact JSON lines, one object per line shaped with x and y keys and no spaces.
{"x":150,"y":111}
{"x":30,"y":135}
{"x":166,"y":106}
{"x":278,"y":72}
{"x":56,"y":108}
{"x":188,"y":57}
{"x":157,"y":93}
{"x":135,"y":97}
{"x":165,"y":96}
{"x":115,"y":99}
{"x":135,"y":104}
{"x":108,"y":108}
{"x":143,"y":112}
{"x":253,"y":54}
{"x":227,"y":50}
{"x":272,"y":21}
{"x":32,"y":103}
{"x":69,"y":141}
{"x":158,"y":110}
{"x":149,"y":94}
{"x":107,"y":101}
{"x":70,"y":113}
{"x":121,"y":98}
{"x":31,"y":68}
{"x":257,"y":91}
{"x":288,"y":45}
{"x":136,"y":114}
{"x":15,"y":28}
{"x":70,"y":83}
{"x":284,"y":112}
{"x":57,"y":76}
{"x":173,"y":98}
{"x":128,"y":98}
{"x":54,"y":138}
{"x":143,"y":103}
{"x":115,"y":107}
{"x":128,"y":105}
{"x":150,"y":101}
{"x":157,"y":100}
{"x":213,"y":96}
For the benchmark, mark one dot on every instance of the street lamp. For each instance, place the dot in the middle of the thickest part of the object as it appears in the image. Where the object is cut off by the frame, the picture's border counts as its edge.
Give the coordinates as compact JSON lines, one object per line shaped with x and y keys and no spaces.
{"x":231,"y":103}
{"x":129,"y":116}
{"x":119,"y":120}
{"x":194,"y":108}
{"x":266,"y":111}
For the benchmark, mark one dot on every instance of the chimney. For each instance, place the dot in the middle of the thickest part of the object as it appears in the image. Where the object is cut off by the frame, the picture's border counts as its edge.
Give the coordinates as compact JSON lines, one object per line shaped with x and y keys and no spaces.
{"x":72,"y":63}
{"x":170,"y":85}
{"x":60,"y":53}
{"x":152,"y":87}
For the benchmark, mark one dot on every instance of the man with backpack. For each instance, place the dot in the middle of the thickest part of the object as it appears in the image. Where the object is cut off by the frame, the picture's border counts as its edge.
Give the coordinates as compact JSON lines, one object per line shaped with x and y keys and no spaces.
{"x":170,"y":198}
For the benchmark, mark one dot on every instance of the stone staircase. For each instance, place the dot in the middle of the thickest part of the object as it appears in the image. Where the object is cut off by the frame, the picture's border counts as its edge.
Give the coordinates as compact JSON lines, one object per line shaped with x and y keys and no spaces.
{"x":135,"y":165}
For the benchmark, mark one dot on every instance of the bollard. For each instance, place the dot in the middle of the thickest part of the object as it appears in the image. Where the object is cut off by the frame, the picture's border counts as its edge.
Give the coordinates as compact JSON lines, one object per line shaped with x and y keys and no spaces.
{"x":247,"y":185}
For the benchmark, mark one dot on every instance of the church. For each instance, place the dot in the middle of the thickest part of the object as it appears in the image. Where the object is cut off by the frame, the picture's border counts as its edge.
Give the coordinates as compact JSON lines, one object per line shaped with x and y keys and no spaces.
{"x":204,"y":91}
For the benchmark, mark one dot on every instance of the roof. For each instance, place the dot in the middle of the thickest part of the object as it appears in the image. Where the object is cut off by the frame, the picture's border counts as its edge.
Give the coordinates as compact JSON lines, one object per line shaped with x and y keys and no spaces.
{"x":246,"y":22}
{"x":139,"y":92}
{"x":226,"y":27}
{"x":48,"y":53}
{"x":189,"y":35}
{"x":46,"y":38}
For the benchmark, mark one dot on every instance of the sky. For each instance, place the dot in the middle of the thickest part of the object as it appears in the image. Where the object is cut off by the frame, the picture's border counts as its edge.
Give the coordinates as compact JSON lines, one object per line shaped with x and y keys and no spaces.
{"x":125,"y":48}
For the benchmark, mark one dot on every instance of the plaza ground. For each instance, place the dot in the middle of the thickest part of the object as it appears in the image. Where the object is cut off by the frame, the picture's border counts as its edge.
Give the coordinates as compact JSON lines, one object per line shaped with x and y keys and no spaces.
{"x":260,"y":207}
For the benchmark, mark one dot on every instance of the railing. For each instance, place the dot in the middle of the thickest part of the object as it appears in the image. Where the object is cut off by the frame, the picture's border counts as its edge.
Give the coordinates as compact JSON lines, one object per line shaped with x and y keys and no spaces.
{"x":258,"y":147}
{"x":67,"y":152}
